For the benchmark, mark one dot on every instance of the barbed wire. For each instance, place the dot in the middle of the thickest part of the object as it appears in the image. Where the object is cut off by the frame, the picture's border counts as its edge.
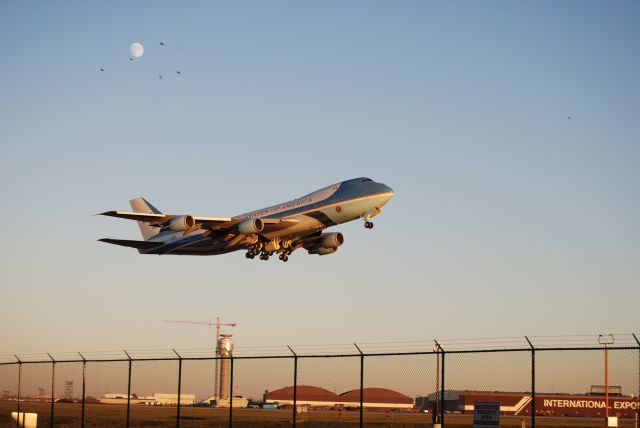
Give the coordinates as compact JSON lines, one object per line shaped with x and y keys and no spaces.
{"x":550,"y":342}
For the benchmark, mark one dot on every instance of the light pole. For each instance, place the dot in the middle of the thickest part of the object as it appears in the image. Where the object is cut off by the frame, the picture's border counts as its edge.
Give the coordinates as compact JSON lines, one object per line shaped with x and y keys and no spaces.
{"x":606,"y":340}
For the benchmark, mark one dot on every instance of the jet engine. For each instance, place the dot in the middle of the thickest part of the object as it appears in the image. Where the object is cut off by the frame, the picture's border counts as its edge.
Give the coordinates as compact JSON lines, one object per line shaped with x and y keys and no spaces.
{"x":331,"y":240}
{"x":328,"y":244}
{"x":249,"y":227}
{"x":181,"y":223}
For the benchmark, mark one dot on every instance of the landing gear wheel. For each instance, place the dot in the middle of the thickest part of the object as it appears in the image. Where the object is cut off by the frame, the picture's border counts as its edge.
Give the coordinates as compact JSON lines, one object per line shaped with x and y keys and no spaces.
{"x":249,"y":255}
{"x":368,"y":225}
{"x":264,"y":256}
{"x":284,"y":257}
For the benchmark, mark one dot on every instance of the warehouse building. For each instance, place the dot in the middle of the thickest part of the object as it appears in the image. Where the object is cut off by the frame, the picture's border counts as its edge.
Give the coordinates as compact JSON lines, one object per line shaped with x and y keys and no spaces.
{"x":520,"y":403}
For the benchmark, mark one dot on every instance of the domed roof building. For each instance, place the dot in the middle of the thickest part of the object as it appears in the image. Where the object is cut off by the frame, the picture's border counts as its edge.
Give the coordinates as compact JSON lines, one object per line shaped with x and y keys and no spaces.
{"x":314,"y":396}
{"x":305,"y":394}
{"x":377,"y":397}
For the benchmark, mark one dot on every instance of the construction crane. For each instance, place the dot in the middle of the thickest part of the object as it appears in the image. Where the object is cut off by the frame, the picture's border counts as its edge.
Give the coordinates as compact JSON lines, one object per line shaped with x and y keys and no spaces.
{"x":218,"y":325}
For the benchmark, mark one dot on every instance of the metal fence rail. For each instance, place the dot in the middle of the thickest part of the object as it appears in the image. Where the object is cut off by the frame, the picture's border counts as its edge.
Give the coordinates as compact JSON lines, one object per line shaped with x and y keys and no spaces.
{"x":484,"y":362}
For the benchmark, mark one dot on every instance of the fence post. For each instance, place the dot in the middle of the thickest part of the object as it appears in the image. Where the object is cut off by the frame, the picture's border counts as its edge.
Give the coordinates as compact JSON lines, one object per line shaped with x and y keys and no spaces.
{"x":435,"y":411}
{"x":361,"y":385}
{"x":441,"y":351}
{"x":231,"y":394}
{"x":533,"y":383}
{"x":19,"y":388}
{"x":179,"y":386}
{"x":295,"y":385}
{"x":53,"y":387}
{"x":84,"y":377}
{"x":128,"y":388}
{"x":638,"y":342}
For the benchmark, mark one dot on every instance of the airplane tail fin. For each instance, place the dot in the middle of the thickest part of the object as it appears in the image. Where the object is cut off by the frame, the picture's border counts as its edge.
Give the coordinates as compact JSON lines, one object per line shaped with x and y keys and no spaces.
{"x":141,"y":205}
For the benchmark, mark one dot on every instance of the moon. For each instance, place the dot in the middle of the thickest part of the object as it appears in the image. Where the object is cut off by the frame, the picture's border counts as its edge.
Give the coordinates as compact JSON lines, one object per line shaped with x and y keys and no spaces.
{"x":136,"y":49}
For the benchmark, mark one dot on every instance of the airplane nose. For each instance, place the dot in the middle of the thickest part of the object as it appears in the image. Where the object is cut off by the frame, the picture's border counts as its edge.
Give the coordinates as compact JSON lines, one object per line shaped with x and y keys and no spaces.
{"x":388,"y":190}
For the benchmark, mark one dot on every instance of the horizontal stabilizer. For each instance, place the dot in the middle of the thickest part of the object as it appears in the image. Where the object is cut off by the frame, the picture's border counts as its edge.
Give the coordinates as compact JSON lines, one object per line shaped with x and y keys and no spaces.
{"x":149,"y":217}
{"x":140,"y":245}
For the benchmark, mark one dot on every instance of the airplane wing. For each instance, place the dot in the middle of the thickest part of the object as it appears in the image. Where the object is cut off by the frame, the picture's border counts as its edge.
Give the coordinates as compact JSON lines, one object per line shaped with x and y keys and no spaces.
{"x":212,"y":223}
{"x":273,"y":225}
{"x":270,"y":224}
{"x":162,"y":218}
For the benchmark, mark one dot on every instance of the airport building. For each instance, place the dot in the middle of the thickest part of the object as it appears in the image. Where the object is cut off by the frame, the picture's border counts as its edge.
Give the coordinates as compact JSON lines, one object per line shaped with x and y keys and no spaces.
{"x":320,"y":398}
{"x":172,"y":399}
{"x":238,"y":401}
{"x":157,"y":399}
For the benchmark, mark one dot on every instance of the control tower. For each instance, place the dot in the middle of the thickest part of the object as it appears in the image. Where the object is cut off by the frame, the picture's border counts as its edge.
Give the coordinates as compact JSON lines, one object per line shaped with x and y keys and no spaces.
{"x":225,"y":350}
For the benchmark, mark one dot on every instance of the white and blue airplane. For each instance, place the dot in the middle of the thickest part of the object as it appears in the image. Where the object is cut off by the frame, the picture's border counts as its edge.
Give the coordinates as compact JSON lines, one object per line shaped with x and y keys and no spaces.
{"x":280,"y":229}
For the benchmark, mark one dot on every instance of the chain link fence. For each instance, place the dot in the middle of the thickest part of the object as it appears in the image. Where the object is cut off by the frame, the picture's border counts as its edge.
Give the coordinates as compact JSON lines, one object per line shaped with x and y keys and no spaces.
{"x":536,"y":381}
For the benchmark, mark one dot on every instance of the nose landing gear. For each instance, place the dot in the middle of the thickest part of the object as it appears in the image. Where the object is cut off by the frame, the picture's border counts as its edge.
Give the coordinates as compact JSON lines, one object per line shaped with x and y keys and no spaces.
{"x":369,"y":215}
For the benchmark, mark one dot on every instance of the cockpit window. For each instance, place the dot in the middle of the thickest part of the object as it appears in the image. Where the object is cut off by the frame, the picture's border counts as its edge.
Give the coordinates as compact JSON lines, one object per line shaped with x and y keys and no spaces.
{"x":366,"y":179}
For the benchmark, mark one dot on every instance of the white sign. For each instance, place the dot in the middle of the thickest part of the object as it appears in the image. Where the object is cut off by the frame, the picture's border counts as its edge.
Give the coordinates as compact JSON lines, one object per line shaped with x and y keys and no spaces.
{"x":486,"y":414}
{"x":26,"y":420}
{"x":613,"y":421}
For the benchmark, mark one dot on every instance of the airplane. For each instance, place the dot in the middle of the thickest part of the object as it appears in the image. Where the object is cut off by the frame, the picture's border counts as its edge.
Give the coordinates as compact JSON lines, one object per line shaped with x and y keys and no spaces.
{"x":278,"y":229}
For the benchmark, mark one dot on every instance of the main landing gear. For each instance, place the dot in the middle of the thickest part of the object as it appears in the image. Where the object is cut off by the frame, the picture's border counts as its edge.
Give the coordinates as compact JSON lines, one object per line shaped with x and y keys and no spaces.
{"x":287,"y":248}
{"x":254,"y":250}
{"x":264,"y":253}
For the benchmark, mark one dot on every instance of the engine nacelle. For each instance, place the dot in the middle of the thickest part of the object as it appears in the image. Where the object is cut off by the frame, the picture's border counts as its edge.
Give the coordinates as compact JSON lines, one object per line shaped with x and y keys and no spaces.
{"x":181,"y":223}
{"x":329,"y":243}
{"x":331,"y":240}
{"x":250,"y":227}
{"x":323,"y":251}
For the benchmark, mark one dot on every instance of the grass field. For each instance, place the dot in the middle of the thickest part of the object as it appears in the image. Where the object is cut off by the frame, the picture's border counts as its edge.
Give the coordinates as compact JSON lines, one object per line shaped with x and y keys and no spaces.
{"x":110,"y":416}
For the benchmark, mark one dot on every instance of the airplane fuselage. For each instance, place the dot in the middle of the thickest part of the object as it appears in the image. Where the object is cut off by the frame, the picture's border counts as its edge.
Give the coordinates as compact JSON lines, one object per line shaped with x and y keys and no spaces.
{"x":336,"y":204}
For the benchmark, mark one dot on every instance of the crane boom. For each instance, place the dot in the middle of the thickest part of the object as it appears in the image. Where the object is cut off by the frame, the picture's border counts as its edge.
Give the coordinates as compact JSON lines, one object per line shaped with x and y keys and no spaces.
{"x":208,"y":324}
{"x":217,"y":324}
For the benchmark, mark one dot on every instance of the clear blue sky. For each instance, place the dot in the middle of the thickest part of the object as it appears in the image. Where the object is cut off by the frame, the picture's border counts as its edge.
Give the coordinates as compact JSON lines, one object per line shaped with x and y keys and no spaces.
{"x":509,"y":218}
